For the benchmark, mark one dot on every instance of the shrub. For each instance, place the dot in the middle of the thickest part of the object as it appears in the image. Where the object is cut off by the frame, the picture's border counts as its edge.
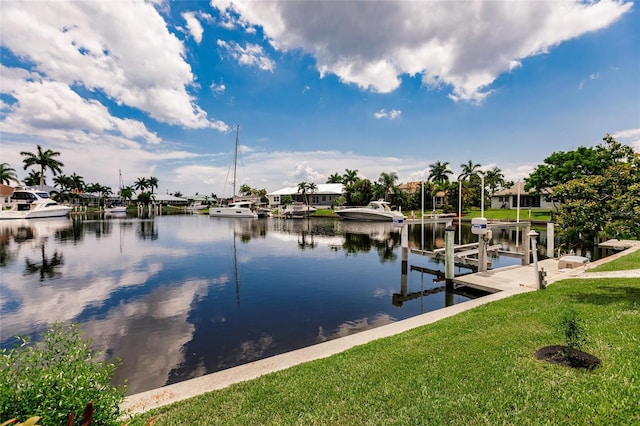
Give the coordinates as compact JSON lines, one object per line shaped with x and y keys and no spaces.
{"x":574,"y":333}
{"x":57,"y":376}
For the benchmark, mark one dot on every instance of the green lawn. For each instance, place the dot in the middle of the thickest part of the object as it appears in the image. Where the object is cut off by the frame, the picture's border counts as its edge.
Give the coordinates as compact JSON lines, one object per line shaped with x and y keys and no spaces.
{"x":510,"y":215}
{"x":476,"y":368}
{"x":625,"y":263}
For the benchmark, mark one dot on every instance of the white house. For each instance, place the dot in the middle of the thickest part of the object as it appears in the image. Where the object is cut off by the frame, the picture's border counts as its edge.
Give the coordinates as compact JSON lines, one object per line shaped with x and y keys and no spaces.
{"x":508,"y":198}
{"x":321,"y":198}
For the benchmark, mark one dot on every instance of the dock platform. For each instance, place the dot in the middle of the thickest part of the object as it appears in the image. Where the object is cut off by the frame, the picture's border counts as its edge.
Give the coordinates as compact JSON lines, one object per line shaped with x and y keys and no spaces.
{"x":517,"y":277}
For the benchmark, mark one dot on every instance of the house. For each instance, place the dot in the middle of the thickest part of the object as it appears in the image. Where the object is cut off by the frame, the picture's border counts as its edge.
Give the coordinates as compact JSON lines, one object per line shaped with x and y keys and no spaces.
{"x":322,"y":198}
{"x":439,"y":200}
{"x":508,"y":198}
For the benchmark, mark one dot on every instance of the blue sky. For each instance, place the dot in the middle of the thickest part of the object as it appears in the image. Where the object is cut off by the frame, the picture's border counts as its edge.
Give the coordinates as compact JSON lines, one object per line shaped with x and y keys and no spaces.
{"x":156,"y":88}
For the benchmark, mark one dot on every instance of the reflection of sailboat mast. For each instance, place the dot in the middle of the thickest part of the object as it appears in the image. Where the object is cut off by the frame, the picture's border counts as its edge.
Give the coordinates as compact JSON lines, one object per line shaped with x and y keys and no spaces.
{"x":235,"y":269}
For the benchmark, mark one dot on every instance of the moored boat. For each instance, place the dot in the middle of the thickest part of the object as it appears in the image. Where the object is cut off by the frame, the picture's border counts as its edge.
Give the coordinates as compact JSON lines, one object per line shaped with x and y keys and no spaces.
{"x":238,"y":209}
{"x":32,"y":204}
{"x":297,"y":210}
{"x":374,"y":211}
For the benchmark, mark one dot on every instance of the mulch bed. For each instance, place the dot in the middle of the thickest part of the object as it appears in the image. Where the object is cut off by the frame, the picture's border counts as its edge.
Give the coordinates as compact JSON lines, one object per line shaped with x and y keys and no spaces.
{"x":558,"y":354}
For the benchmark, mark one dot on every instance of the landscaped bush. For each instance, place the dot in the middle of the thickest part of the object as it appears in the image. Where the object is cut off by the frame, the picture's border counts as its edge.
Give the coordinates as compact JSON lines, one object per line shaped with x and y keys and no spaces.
{"x":57,"y":376}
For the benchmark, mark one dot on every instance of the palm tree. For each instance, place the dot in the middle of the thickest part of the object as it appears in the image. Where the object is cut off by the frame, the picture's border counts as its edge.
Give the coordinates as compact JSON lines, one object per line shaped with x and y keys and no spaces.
{"x":43,"y":159}
{"x":468,"y":170}
{"x":495,"y":180}
{"x":7,"y":174}
{"x":388,"y":181}
{"x":152,"y":182}
{"x":334,"y":178}
{"x":76,"y":182}
{"x":33,"y":178}
{"x":126,"y":192}
{"x":439,"y":171}
{"x":141,"y":184}
{"x":305,"y":188}
{"x":350,"y":177}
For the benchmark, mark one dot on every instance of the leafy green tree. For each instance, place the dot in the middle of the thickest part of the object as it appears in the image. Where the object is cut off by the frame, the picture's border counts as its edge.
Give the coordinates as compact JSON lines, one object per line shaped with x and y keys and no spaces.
{"x":76,"y":182}
{"x":360,"y":192}
{"x":245,"y":189}
{"x":562,"y":167}
{"x":126,"y":192}
{"x":7,"y":174}
{"x":604,"y":205}
{"x":334,"y":178}
{"x":43,"y":160}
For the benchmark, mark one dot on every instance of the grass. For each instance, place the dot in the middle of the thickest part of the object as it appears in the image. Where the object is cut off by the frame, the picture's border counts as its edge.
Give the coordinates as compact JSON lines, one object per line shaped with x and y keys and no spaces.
{"x":510,"y":215}
{"x":624,"y":263}
{"x":476,"y":368}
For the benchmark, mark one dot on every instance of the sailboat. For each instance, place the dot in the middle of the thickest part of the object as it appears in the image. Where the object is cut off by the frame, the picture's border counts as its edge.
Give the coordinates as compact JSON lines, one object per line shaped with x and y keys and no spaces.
{"x":243,"y":209}
{"x":117,"y":209}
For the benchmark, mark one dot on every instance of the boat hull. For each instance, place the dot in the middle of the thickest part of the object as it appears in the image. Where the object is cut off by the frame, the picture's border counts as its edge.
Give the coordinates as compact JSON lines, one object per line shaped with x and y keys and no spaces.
{"x":61,"y":211}
{"x":368,"y":215}
{"x":242,"y":212}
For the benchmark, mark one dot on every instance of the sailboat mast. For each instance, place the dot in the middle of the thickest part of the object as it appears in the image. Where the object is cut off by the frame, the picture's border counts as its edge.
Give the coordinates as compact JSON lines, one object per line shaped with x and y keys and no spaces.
{"x":235,"y":160}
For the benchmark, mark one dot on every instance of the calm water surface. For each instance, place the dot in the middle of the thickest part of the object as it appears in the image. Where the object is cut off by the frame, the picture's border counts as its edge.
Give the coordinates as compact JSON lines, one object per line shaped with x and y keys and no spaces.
{"x":176,"y":297}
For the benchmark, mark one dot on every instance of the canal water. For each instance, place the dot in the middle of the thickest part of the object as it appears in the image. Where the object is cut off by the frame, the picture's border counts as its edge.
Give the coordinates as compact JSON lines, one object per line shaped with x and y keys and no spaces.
{"x":176,"y":297}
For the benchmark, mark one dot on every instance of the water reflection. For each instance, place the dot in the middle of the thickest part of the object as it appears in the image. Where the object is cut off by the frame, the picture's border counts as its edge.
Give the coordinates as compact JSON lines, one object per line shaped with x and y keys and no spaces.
{"x":176,"y":297}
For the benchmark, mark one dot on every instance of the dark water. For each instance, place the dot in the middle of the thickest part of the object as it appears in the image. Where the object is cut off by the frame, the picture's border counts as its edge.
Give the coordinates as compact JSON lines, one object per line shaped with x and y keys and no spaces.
{"x":176,"y":297}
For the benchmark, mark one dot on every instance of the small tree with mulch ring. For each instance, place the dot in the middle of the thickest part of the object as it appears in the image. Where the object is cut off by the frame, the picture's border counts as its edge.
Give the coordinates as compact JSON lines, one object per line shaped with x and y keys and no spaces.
{"x":570,"y":355}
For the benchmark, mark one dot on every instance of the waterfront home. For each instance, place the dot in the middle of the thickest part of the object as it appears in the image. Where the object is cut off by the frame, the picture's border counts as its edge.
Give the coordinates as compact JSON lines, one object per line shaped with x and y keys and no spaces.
{"x":322,"y":198}
{"x":508,"y":198}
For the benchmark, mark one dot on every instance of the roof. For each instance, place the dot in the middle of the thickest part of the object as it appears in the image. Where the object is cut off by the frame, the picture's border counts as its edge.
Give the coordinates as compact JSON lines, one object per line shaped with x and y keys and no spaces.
{"x":514,"y":190}
{"x":168,"y":198}
{"x":323,"y":188}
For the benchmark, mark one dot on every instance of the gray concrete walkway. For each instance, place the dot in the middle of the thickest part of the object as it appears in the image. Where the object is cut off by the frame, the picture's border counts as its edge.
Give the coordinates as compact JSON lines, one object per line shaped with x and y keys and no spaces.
{"x":503,"y":282}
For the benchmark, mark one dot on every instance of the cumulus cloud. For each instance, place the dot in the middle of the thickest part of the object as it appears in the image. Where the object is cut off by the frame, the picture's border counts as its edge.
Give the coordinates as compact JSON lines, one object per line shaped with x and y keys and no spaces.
{"x":462,"y":46}
{"x":391,"y":115}
{"x":100,"y":48}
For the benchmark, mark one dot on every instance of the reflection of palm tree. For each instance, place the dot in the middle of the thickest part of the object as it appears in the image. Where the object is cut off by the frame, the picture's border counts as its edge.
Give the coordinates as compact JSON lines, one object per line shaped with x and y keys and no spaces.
{"x":43,"y":159}
{"x":47,"y":269}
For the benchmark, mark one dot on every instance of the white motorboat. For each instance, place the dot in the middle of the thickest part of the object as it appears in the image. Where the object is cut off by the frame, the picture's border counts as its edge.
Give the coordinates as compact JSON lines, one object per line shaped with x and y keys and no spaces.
{"x":297,"y":210}
{"x":32,"y":204}
{"x":374,"y":211}
{"x":116,"y":210}
{"x":238,"y":209}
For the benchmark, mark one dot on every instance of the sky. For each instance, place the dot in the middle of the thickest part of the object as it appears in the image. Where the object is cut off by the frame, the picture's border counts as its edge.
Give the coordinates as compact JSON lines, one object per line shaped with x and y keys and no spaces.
{"x":311,"y":88}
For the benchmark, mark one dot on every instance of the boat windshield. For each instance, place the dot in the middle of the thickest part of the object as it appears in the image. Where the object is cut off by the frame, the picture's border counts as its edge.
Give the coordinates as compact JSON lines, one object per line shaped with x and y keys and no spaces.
{"x":43,"y":194}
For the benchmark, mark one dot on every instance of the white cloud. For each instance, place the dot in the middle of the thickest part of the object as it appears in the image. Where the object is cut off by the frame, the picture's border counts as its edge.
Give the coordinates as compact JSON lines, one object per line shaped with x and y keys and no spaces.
{"x":217,"y":89}
{"x":461,"y":45}
{"x":629,"y":137}
{"x":391,"y":115}
{"x":101,"y":48}
{"x":250,"y":55}
{"x":194,"y":26}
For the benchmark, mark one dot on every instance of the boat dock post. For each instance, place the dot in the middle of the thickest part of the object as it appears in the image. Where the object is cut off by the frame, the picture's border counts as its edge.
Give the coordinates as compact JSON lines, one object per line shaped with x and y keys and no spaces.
{"x":449,"y":261}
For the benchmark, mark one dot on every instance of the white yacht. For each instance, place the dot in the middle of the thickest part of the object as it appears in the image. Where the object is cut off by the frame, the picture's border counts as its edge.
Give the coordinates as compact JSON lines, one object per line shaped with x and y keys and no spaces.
{"x":374,"y":211}
{"x":32,"y":204}
{"x":238,"y":209}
